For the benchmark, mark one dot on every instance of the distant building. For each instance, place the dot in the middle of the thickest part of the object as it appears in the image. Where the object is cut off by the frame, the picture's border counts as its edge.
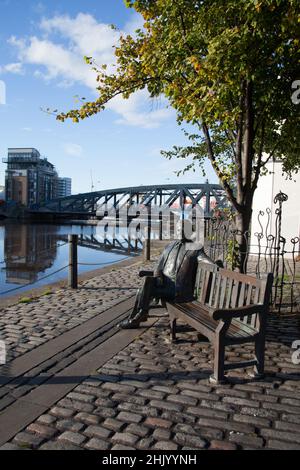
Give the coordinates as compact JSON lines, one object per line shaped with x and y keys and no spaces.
{"x":29,"y":179}
{"x":64,"y":187}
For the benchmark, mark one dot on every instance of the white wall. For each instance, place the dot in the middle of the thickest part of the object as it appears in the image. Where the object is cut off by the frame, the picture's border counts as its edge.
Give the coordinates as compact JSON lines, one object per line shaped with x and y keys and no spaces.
{"x":267,"y":189}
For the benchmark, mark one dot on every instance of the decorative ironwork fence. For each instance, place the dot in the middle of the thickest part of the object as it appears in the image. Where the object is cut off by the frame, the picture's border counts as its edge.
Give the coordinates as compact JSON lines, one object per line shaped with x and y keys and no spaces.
{"x":266,"y":252}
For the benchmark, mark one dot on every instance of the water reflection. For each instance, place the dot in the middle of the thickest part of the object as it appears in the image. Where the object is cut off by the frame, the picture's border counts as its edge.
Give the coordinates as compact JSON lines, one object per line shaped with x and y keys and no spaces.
{"x":28,"y":250}
{"x":31,"y":252}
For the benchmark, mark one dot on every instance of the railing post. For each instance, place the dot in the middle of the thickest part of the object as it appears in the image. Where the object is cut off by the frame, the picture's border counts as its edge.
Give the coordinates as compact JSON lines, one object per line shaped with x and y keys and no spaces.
{"x":147,"y":253}
{"x":160,"y":225}
{"x":73,"y":259}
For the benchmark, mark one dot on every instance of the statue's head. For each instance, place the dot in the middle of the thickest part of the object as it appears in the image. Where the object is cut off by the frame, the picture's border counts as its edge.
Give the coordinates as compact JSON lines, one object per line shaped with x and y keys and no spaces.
{"x":187,"y":234}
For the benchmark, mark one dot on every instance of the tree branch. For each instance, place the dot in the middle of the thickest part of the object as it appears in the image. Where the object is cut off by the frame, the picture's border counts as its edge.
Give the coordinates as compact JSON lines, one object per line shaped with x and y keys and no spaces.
{"x":212,"y":159}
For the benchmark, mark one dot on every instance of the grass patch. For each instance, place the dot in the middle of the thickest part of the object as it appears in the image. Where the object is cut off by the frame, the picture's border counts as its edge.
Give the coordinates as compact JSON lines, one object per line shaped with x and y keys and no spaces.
{"x":26,"y":300}
{"x":47,"y":292}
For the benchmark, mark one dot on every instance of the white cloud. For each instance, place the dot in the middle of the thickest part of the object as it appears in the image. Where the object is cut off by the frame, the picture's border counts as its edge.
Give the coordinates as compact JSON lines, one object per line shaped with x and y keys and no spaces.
{"x":138,"y":110}
{"x":135,"y":22}
{"x":26,"y":129}
{"x":15,"y":67}
{"x":73,"y":150}
{"x":63,"y":62}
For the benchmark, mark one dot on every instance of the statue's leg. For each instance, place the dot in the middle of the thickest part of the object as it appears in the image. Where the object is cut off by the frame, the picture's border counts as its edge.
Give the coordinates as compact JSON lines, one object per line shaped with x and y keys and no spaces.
{"x":141,"y":306}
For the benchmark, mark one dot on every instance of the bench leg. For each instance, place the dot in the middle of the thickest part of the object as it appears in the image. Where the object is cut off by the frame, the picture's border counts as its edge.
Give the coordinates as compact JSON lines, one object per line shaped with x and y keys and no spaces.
{"x":173,"y":330}
{"x":260,"y":357}
{"x":219,"y":357}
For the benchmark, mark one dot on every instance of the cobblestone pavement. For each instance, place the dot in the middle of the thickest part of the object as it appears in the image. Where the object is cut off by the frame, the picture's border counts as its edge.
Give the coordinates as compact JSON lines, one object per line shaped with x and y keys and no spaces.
{"x":155,"y":395}
{"x":26,"y":326}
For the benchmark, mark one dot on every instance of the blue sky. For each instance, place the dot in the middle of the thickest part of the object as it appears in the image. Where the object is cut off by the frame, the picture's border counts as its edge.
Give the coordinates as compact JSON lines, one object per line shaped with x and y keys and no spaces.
{"x":41,"y":64}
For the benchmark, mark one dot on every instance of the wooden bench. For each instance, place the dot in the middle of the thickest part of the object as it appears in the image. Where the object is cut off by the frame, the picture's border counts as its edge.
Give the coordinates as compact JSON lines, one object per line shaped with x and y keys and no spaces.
{"x":230,"y":308}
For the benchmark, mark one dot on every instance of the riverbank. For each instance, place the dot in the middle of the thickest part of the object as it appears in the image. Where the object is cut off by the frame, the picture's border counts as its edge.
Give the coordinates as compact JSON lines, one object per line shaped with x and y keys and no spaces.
{"x":51,"y":287}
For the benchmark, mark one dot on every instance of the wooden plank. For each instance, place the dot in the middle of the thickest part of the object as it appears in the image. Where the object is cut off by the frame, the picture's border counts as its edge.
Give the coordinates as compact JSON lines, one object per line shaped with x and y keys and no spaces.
{"x":216,"y":301}
{"x":228,"y":293}
{"x":223,"y":292}
{"x":241,"y":301}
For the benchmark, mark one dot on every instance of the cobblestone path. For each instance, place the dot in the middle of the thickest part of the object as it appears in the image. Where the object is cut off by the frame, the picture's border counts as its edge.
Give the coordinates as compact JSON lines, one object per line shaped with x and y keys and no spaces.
{"x":26,"y":326}
{"x":151,"y":393}
{"x":155,"y":395}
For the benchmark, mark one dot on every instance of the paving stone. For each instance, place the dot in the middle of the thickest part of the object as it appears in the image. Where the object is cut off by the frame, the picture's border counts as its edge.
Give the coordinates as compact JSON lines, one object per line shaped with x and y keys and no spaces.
{"x":69,"y":425}
{"x":119,"y":388}
{"x":150,"y":394}
{"x":210,"y":433}
{"x":119,"y":397}
{"x":291,"y":418}
{"x":129,"y":417}
{"x":138,"y":429}
{"x":46,"y":419}
{"x":255,"y":421}
{"x":183,"y":400}
{"x":281,"y":435}
{"x":165,"y":445}
{"x":106,"y":412}
{"x":200,"y":411}
{"x":259,"y":412}
{"x":113,"y":424}
{"x":97,"y":444}
{"x":27,"y":440}
{"x":280,"y":445}
{"x":163,"y":405}
{"x":42,"y":430}
{"x":175,"y":417}
{"x":87,"y":418}
{"x":246,"y":440}
{"x":119,"y":447}
{"x":124,"y":438}
{"x":158,"y":423}
{"x":222,"y":445}
{"x":81,"y":397}
{"x":72,"y":437}
{"x":231,"y":426}
{"x":62,"y":412}
{"x":97,"y":431}
{"x":9,"y":446}
{"x":186,"y":439}
{"x":145,"y":443}
{"x":161,"y":434}
{"x":241,"y":402}
{"x":57,"y":445}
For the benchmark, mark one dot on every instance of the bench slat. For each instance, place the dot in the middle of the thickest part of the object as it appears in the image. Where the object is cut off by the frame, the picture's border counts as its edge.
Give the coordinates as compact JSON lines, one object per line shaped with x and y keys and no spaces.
{"x":194,"y":310}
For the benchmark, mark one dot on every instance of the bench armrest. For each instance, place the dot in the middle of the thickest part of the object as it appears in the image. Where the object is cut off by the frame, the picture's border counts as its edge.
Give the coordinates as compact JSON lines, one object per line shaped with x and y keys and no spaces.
{"x":146,"y":273}
{"x":229,"y":313}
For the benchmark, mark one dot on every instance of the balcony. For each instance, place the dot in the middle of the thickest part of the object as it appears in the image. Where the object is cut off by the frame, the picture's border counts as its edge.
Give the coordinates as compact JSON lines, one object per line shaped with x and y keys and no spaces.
{"x":20,"y":159}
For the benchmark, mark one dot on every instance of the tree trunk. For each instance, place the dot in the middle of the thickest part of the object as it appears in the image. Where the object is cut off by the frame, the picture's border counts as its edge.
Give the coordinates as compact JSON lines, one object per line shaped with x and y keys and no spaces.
{"x":242,"y":225}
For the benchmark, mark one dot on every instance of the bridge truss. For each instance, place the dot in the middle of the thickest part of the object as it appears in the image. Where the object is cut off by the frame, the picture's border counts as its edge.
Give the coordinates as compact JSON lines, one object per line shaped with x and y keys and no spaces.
{"x":169,"y":195}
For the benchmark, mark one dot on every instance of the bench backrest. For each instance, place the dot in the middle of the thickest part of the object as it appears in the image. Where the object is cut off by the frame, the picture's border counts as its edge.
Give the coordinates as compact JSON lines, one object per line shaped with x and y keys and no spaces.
{"x":221,"y":288}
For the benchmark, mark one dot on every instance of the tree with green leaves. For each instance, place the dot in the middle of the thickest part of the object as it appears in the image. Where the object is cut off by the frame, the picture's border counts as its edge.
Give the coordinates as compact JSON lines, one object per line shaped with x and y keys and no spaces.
{"x":227,"y":67}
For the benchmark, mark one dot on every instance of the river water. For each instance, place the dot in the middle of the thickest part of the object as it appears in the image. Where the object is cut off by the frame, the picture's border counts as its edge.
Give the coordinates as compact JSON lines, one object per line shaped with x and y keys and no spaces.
{"x":33,"y":255}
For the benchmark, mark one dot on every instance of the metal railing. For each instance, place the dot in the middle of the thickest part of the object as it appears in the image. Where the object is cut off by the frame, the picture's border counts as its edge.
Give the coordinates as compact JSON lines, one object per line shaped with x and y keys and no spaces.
{"x":266,"y":252}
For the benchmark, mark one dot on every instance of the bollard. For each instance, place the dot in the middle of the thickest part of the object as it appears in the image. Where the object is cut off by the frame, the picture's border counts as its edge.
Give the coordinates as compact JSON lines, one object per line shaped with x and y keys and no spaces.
{"x":73,"y":258}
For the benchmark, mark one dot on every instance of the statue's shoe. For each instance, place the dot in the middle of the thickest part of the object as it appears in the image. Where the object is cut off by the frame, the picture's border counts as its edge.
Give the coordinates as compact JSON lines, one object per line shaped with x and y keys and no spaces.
{"x":130,"y":323}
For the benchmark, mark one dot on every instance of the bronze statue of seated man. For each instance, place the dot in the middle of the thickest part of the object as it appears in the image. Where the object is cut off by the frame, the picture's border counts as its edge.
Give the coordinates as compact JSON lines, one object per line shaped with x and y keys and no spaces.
{"x":173,"y":279}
